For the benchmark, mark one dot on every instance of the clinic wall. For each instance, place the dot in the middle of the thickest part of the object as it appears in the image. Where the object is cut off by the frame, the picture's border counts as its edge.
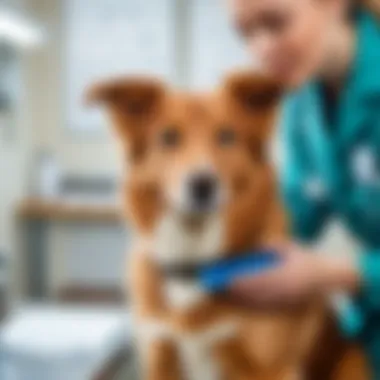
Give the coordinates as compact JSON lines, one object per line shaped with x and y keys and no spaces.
{"x":15,"y":153}
{"x":75,"y":153}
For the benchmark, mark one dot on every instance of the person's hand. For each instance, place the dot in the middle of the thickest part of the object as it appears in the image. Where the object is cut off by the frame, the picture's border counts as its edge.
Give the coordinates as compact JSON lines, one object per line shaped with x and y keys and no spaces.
{"x":301,"y":275}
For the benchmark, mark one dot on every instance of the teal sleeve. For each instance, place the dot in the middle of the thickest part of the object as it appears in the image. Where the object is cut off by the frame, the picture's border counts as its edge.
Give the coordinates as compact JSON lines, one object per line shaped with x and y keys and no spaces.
{"x":307,"y":214}
{"x":369,"y":268}
{"x":355,"y":315}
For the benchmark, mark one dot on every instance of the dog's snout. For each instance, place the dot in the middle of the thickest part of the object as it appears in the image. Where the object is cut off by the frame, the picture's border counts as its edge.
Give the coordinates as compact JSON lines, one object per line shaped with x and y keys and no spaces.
{"x":203,"y":188}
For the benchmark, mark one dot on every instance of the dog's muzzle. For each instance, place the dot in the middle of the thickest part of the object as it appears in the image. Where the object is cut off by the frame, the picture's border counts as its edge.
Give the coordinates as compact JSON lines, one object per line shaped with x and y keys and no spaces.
{"x":203,"y":191}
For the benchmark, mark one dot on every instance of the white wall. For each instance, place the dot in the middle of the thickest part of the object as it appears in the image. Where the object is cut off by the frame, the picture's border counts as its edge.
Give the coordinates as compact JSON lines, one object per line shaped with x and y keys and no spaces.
{"x":77,"y":154}
{"x":15,"y":153}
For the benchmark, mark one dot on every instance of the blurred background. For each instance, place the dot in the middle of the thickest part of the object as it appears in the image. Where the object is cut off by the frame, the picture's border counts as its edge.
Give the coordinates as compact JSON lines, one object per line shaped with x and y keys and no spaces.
{"x":62,"y":241}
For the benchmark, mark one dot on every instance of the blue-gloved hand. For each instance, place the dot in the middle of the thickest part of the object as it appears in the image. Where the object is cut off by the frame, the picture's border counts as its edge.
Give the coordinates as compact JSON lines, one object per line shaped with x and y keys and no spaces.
{"x":218,"y":276}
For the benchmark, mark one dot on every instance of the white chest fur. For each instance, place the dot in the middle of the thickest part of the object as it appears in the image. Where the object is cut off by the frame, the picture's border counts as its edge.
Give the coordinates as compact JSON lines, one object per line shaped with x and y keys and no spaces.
{"x":175,"y":242}
{"x":183,"y":294}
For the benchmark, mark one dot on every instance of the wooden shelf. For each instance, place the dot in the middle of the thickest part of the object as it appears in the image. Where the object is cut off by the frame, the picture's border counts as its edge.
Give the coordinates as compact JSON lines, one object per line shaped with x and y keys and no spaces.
{"x":92,"y":295}
{"x":62,"y":211}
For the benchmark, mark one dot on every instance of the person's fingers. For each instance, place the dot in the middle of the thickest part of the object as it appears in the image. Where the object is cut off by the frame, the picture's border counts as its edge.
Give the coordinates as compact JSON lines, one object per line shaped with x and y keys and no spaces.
{"x":249,"y":297}
{"x":268,"y":300}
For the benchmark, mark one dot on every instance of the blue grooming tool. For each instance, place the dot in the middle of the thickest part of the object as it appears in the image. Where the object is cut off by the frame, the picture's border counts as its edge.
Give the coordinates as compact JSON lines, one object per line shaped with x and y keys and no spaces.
{"x":217,"y":276}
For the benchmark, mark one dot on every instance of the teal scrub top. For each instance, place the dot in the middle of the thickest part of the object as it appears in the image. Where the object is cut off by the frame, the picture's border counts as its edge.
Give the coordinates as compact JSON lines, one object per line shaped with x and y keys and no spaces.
{"x":332,"y":167}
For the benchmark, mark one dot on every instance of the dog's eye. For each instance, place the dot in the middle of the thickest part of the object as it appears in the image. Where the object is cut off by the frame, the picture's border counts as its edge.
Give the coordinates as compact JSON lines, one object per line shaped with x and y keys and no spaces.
{"x":170,"y":137}
{"x":226,"y":137}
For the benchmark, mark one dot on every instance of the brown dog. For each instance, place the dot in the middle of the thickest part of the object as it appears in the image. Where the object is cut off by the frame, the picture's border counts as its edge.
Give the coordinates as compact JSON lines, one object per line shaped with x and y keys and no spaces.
{"x":199,"y":186}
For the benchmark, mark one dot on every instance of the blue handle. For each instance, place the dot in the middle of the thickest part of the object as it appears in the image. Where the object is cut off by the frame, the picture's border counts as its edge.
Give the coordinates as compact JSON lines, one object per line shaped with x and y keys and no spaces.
{"x":216,"y":277}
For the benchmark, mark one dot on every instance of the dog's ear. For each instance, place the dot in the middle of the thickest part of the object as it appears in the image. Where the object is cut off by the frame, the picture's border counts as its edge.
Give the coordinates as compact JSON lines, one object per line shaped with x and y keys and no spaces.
{"x":133,"y":104}
{"x":253,"y":100}
{"x":254,"y":93}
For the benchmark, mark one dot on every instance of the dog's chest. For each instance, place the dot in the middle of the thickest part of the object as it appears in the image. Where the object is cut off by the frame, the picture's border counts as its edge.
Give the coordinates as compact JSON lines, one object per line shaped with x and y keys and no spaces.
{"x":176,"y":243}
{"x":196,"y":349}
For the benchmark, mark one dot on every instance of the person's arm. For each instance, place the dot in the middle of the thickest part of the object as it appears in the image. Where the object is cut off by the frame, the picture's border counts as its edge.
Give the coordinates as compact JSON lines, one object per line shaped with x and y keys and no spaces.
{"x":309,"y":211}
{"x":303,"y":195}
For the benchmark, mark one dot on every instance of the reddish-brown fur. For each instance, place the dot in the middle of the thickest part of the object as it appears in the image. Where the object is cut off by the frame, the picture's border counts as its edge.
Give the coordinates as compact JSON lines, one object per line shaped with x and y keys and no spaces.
{"x":270,"y":345}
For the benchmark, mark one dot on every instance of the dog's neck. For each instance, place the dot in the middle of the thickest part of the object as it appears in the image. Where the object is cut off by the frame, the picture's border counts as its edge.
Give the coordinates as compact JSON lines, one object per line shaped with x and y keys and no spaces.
{"x":178,"y":240}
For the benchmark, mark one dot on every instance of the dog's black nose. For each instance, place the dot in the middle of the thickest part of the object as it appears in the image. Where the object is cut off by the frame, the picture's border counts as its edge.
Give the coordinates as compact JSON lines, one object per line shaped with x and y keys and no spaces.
{"x":203,"y":189}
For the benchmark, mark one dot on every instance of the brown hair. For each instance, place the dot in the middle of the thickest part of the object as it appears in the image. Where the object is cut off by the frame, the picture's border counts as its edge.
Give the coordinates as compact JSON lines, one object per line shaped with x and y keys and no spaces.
{"x":372,"y":5}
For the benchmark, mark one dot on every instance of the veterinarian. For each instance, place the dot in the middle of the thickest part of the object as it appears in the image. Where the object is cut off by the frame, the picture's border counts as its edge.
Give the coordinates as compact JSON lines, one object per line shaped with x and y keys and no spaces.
{"x":327,"y":53}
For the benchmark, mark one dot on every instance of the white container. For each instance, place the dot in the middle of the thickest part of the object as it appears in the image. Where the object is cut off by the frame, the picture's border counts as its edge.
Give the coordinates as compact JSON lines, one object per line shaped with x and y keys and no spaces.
{"x":55,"y":343}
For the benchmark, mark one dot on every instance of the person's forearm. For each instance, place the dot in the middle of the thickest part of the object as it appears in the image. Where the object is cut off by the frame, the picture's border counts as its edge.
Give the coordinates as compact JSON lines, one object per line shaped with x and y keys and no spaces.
{"x":339,"y":274}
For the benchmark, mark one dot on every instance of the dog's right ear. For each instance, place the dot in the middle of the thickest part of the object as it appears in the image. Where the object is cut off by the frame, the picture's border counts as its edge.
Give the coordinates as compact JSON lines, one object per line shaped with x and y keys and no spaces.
{"x":133,"y":104}
{"x":254,"y":93}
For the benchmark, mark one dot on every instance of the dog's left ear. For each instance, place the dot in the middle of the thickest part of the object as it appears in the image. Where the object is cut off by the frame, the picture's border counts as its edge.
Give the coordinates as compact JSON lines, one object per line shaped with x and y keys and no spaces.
{"x":135,"y":96}
{"x":253,"y":101}
{"x":133,"y":104}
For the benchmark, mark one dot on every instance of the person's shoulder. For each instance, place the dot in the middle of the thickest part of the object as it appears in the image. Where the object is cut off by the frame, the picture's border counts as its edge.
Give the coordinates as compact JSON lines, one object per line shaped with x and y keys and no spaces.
{"x":365,"y":80}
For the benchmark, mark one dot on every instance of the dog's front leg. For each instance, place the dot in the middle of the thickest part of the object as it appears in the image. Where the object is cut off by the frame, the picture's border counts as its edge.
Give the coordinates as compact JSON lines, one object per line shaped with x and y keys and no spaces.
{"x":159,"y":357}
{"x":163,"y":361}
{"x":157,"y":349}
{"x":234,"y":360}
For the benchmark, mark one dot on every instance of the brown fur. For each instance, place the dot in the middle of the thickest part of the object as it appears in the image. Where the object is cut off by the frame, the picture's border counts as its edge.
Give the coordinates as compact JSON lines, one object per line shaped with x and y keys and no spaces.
{"x":269,"y":345}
